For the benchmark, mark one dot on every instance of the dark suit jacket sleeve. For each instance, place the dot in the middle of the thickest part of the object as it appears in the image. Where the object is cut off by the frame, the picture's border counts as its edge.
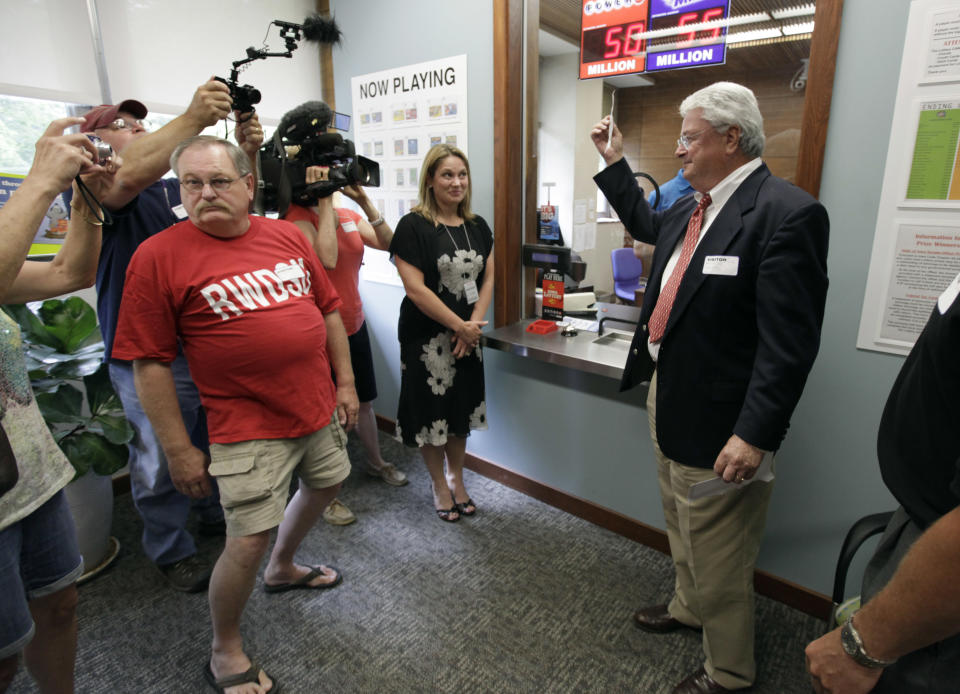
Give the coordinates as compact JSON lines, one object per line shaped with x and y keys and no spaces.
{"x":618,"y":185}
{"x":790,"y":295}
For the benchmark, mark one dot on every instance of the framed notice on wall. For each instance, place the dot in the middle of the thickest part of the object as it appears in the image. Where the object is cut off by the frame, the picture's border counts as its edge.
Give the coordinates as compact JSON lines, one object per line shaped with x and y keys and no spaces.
{"x":398,"y":115}
{"x":916,"y":244}
{"x":934,"y":173}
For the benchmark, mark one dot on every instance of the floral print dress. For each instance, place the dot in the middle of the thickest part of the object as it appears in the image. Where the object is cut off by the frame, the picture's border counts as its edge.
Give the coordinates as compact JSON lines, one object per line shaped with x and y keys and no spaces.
{"x":440,"y":395}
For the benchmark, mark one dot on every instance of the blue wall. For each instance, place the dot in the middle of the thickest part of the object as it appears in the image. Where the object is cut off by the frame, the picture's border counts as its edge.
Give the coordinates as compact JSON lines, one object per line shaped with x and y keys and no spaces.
{"x":572,"y":430}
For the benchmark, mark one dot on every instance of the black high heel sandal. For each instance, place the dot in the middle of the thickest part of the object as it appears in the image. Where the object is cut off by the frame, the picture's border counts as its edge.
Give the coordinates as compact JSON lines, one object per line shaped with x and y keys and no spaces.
{"x":445,"y":513}
{"x":462,"y":507}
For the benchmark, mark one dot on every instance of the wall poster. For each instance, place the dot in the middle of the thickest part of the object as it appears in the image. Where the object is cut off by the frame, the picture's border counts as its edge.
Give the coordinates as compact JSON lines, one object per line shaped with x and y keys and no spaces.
{"x":398,"y":115}
{"x":935,"y":169}
{"x":916,"y":240}
{"x":943,"y":47}
{"x":926,"y":259}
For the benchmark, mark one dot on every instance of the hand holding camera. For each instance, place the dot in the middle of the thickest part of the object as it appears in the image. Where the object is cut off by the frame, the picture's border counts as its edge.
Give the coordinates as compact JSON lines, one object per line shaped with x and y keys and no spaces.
{"x":210,"y":104}
{"x":59,"y":158}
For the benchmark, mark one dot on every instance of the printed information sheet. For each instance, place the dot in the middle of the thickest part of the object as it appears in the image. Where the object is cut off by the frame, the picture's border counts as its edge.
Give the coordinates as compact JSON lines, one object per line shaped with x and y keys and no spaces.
{"x":399,"y":114}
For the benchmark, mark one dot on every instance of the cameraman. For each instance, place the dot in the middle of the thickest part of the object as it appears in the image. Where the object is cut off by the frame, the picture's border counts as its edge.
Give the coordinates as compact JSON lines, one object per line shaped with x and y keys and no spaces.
{"x":143,"y":204}
{"x":39,"y":558}
{"x":339,"y":236}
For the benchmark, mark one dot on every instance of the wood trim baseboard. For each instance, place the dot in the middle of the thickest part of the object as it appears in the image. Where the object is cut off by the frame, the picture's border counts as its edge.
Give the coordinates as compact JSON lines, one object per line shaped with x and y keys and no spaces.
{"x":766,"y":584}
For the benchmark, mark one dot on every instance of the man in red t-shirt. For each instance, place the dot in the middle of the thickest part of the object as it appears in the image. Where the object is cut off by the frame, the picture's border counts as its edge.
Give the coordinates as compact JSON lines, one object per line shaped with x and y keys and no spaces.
{"x":250,"y":303}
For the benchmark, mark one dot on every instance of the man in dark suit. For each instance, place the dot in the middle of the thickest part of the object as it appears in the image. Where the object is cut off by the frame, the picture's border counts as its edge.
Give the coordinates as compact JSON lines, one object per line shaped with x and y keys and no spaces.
{"x":729,"y":329}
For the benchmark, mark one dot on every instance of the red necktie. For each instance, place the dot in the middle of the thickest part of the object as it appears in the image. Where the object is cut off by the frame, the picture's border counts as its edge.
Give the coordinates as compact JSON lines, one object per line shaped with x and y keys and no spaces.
{"x":661,"y":312}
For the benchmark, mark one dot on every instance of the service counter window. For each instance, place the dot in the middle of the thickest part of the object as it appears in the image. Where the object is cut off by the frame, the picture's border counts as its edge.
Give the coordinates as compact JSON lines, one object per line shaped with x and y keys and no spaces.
{"x":769,"y":48}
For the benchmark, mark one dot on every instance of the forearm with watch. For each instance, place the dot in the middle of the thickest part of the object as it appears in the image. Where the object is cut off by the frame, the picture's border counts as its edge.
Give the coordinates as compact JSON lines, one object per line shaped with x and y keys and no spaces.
{"x":919,"y":606}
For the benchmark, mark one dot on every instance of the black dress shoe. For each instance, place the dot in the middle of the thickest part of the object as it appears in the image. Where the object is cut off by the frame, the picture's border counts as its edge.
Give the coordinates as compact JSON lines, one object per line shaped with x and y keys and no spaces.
{"x":657,"y":620}
{"x":700,"y":683}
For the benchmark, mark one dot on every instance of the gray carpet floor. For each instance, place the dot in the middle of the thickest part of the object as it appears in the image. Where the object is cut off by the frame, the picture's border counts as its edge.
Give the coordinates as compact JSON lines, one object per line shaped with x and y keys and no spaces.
{"x":520,"y":598}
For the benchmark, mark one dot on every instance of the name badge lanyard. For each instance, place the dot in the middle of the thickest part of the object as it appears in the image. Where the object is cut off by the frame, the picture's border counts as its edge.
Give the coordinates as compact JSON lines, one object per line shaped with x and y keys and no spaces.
{"x":469,"y":286}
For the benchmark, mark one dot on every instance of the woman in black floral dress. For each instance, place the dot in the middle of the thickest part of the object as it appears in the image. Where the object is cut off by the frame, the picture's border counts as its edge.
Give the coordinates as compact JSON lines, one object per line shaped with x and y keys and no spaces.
{"x":444,"y":254}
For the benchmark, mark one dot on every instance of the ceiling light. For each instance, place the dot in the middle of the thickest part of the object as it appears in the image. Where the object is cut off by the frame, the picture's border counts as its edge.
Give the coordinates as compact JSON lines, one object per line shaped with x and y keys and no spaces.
{"x":704,"y":26}
{"x":802,"y":28}
{"x":790,"y":12}
{"x":756,"y":35}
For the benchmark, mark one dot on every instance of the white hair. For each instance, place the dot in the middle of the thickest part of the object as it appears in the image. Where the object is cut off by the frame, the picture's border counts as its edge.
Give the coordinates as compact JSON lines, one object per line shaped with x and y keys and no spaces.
{"x":726,"y":103}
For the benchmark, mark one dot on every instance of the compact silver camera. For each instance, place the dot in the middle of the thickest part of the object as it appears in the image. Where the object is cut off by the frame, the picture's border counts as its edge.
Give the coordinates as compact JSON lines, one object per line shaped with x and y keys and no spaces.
{"x":104,"y":151}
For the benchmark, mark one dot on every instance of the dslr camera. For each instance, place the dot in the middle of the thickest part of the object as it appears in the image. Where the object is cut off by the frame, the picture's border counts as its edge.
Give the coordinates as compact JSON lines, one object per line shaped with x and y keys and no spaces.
{"x":244,"y":96}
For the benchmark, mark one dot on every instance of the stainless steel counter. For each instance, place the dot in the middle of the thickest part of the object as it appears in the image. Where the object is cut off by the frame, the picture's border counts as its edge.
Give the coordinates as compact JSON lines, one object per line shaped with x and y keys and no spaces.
{"x":587,"y":351}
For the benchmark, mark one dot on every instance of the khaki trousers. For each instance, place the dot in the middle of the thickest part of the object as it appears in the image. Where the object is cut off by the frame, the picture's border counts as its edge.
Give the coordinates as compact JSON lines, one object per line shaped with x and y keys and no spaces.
{"x":714,"y":543}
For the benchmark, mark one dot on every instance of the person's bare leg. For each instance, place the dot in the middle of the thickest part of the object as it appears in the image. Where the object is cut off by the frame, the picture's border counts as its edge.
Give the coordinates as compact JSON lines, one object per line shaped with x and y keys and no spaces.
{"x":456,"y":450}
{"x":368,"y":434}
{"x":442,"y":499}
{"x":51,"y":653}
{"x":230,"y":586}
{"x":303,"y":511}
{"x":367,"y":431}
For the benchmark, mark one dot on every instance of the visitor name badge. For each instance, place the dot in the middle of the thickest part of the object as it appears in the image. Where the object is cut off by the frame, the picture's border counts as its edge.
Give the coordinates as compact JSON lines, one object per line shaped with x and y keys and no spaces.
{"x":949,"y":294}
{"x":180,"y":211}
{"x":470,"y":289}
{"x":288,"y":272}
{"x":721,"y":265}
{"x":349,"y":226}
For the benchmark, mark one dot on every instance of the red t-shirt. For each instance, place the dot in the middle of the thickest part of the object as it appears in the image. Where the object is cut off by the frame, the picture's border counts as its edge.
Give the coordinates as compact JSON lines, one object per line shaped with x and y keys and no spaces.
{"x":249,"y":313}
{"x":346,"y":275}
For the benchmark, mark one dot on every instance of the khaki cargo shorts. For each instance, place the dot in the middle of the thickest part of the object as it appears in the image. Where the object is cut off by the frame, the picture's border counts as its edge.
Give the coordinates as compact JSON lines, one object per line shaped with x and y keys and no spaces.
{"x":254,"y":476}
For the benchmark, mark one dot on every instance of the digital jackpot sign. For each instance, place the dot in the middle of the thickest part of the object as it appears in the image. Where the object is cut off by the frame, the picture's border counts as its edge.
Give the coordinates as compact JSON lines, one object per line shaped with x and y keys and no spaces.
{"x":688,"y":48}
{"x":622,"y":37}
{"x":609,"y":43}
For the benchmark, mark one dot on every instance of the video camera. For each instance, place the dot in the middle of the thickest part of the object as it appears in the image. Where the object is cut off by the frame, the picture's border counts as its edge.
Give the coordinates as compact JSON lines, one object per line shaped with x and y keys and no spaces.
{"x":302,"y":140}
{"x":314,"y":29}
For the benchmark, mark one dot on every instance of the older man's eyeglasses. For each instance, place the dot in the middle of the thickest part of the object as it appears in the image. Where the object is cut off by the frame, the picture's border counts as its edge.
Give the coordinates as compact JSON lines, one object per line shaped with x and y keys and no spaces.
{"x":121,"y":124}
{"x":194,"y":185}
{"x":685,"y":140}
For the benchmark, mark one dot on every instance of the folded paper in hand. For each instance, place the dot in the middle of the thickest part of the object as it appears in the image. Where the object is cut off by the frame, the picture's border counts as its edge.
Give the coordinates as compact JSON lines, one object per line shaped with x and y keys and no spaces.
{"x":717,"y":486}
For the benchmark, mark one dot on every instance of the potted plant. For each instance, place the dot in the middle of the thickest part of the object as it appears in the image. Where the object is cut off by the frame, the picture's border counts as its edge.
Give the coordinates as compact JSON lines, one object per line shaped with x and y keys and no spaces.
{"x":64,"y":350}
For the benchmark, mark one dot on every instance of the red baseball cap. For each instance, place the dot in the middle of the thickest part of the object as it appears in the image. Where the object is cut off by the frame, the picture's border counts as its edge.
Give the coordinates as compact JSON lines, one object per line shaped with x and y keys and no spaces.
{"x":103,"y":115}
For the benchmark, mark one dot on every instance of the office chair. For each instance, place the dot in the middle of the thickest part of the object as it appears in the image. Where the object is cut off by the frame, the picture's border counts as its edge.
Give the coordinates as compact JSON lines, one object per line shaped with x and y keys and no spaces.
{"x":627,"y":269}
{"x":860,"y":532}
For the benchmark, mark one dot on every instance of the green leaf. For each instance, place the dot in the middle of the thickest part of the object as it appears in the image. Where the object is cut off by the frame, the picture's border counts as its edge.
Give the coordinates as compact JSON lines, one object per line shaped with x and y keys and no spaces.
{"x":99,"y":390}
{"x":90,"y":451}
{"x":76,"y":369}
{"x":31,"y":327}
{"x":115,"y":427}
{"x":63,"y":346}
{"x":65,"y":404}
{"x":71,"y":321}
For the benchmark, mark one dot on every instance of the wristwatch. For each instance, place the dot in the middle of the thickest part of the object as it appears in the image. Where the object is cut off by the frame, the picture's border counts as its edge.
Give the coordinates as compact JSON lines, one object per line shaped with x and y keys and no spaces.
{"x":853,"y":647}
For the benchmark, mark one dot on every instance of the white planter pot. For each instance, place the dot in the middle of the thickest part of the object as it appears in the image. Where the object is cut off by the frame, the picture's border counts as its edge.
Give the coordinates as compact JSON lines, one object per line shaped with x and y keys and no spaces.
{"x":91,"y":503}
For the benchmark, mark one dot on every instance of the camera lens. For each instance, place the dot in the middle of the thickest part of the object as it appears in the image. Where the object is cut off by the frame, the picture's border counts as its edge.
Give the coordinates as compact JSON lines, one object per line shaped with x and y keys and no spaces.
{"x":104,"y":151}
